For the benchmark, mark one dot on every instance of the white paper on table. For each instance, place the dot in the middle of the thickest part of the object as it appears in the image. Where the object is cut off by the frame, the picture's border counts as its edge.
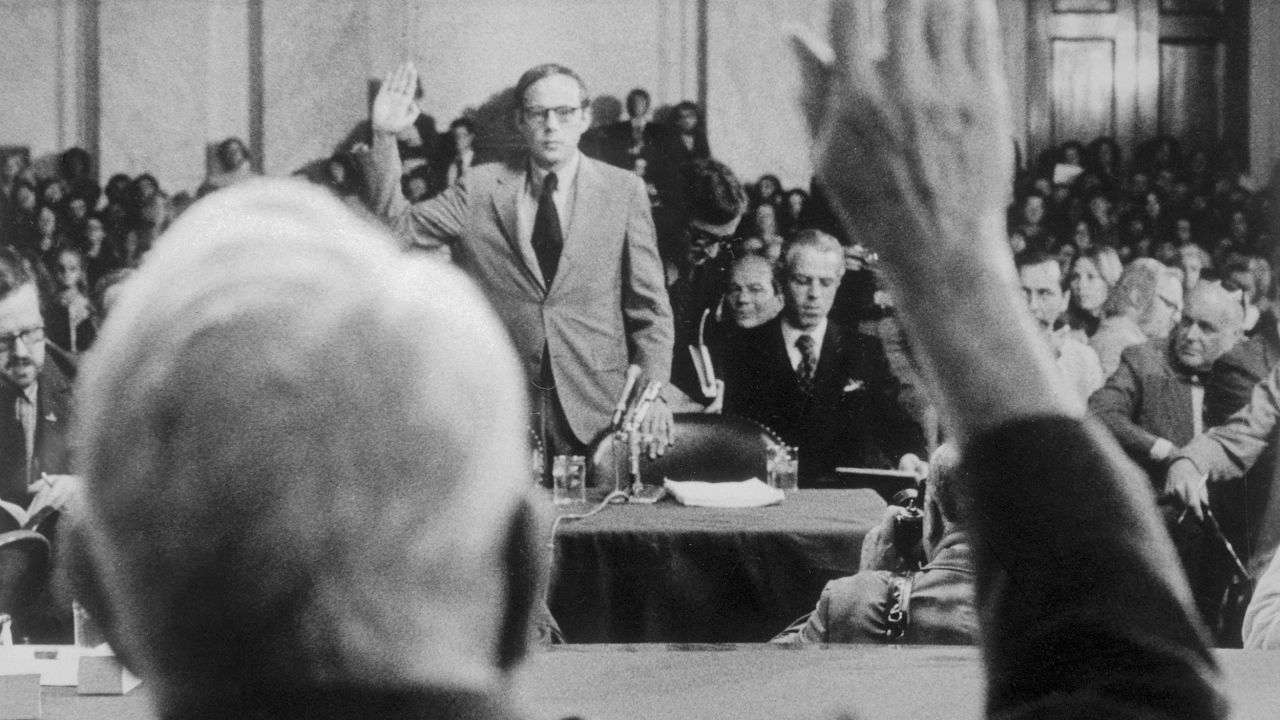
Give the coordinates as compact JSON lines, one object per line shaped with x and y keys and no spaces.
{"x":742,"y":494}
{"x":58,"y":665}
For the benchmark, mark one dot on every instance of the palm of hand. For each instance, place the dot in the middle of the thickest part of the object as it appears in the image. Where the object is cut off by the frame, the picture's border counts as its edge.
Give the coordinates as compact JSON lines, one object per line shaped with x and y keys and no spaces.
{"x":394,"y":108}
{"x":909,"y":118}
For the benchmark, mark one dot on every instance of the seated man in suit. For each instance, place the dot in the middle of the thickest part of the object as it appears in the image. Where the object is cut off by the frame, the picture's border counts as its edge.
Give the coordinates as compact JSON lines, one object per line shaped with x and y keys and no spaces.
{"x":35,"y":450}
{"x":1154,"y":402}
{"x":312,"y":502}
{"x":35,"y":394}
{"x":889,"y":603}
{"x":822,"y":387}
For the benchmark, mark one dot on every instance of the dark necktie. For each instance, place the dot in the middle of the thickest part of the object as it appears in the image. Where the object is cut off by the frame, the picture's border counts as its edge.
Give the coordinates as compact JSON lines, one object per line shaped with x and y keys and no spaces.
{"x":808,"y":363}
{"x":547,"y":240}
{"x":13,"y":452}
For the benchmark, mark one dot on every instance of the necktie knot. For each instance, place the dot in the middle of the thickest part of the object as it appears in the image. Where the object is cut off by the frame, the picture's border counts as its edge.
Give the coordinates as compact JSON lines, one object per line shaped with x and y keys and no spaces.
{"x":550,"y":184}
{"x":805,"y":343}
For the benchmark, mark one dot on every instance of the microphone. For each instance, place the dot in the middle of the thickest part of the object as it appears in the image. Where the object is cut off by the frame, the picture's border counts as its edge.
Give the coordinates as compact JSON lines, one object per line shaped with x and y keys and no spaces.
{"x":633,"y":376}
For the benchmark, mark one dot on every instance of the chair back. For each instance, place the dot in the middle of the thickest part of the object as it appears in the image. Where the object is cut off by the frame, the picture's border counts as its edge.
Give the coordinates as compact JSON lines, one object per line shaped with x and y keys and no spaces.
{"x":712,"y":448}
{"x":24,"y":567}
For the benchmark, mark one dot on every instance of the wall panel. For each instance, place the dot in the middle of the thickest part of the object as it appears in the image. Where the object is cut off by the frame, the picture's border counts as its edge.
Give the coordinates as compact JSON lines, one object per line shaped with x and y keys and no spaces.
{"x":36,"y":82}
{"x":154,"y":72}
{"x":174,"y":75}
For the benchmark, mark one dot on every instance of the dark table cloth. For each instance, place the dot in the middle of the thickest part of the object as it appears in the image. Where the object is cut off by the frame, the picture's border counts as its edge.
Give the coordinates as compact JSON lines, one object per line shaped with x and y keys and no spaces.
{"x":669,"y":573}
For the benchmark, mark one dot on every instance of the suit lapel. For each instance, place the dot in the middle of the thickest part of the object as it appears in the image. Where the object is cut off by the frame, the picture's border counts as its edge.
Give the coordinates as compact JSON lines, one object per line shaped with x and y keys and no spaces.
{"x":828,"y":361}
{"x":506,"y":204}
{"x":791,"y":396}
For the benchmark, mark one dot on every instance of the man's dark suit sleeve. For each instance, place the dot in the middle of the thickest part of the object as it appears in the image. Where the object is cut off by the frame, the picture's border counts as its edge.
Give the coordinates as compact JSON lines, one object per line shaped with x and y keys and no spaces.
{"x":897,"y":433}
{"x":1231,"y":383}
{"x":1085,"y":610}
{"x":1116,"y":404}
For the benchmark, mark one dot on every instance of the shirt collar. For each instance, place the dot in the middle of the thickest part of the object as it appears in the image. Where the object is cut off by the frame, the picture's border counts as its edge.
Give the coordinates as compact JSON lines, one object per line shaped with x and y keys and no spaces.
{"x":565,"y":177}
{"x":790,"y":333}
{"x":31,"y":392}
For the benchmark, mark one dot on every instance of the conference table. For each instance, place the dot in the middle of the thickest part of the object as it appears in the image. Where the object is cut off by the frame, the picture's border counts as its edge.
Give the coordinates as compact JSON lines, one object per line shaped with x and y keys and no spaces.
{"x":748,"y":682}
{"x":636,"y":573}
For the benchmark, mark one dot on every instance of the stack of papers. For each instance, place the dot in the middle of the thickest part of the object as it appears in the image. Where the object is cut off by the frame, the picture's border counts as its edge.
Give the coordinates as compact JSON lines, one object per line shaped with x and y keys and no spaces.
{"x":744,"y":494}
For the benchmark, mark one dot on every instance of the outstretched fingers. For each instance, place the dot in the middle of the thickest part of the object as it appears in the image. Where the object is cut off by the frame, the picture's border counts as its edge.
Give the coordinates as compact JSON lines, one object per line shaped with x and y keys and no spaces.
{"x":909,"y":65}
{"x":859,"y":41}
{"x":402,"y":80}
{"x":815,"y":59}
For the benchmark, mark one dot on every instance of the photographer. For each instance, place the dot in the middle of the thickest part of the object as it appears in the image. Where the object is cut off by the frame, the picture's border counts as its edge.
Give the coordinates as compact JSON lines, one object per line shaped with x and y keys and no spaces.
{"x":890,"y":600}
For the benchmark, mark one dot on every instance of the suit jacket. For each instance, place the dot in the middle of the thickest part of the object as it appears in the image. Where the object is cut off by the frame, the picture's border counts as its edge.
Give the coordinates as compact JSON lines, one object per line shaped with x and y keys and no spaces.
{"x":1237,"y":371}
{"x":1242,"y":405}
{"x":607,"y":305}
{"x":53,"y":418}
{"x":852,"y":417}
{"x":941,"y":610}
{"x":1145,"y":399}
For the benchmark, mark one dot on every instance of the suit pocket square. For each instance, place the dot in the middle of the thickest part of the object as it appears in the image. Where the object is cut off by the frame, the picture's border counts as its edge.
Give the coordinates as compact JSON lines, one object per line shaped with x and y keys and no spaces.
{"x":51,"y":418}
{"x":852,"y":386}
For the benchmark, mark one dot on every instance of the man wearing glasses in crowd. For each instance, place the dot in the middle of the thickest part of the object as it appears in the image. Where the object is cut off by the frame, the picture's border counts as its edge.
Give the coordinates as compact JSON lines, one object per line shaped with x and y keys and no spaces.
{"x":563,"y":245}
{"x":35,"y":396}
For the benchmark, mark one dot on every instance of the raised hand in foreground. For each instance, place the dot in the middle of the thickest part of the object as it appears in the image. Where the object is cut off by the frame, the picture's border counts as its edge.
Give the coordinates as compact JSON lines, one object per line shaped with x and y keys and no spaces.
{"x":911,"y":141}
{"x":394,"y":108}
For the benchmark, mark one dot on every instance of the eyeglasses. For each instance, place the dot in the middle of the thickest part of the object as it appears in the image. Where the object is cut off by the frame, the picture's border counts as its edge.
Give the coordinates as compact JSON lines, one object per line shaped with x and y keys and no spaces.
{"x":28,"y":336}
{"x":538,"y":116}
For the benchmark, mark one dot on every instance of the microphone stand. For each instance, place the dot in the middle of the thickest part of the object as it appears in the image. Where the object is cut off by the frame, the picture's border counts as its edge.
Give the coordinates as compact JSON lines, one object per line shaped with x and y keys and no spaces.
{"x":645,"y":402}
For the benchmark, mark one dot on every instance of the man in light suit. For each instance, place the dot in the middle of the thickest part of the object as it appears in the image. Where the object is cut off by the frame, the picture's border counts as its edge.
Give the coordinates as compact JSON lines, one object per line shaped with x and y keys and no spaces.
{"x":563,"y":246}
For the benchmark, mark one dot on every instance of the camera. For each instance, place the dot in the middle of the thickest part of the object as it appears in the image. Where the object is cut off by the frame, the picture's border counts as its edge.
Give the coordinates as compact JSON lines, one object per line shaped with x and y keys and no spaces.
{"x":908,"y":527}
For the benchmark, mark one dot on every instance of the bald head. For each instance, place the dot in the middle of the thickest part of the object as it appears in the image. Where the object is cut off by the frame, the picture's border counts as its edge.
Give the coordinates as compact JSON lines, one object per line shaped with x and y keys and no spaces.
{"x":295,"y":470}
{"x":1212,"y":323}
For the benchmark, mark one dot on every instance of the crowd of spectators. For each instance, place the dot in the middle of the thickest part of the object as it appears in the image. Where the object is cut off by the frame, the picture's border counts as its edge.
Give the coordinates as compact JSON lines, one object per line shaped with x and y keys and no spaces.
{"x":1106,"y":250}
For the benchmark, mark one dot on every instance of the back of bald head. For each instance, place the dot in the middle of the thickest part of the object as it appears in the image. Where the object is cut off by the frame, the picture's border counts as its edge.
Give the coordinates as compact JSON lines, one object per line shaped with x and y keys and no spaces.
{"x":1211,"y":299}
{"x":295,"y":469}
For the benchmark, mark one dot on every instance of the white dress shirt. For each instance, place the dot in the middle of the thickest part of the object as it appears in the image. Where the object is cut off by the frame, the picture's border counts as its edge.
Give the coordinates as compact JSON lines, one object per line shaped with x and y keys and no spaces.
{"x":790,"y":334}
{"x":564,"y":198}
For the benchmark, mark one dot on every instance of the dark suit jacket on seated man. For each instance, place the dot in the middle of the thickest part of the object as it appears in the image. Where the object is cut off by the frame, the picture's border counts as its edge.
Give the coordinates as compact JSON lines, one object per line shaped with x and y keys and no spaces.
{"x":835,"y":401}
{"x":1154,"y":402}
{"x":312,"y":503}
{"x":35,"y":417}
{"x":35,"y":389}
{"x":562,"y":245}
{"x":934,"y":604}
{"x":1154,"y":405}
{"x":1244,"y":509}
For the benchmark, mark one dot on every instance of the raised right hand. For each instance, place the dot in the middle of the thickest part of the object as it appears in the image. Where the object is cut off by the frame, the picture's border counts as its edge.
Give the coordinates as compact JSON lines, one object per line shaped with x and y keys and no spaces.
{"x":394,"y":108}
{"x":911,"y":130}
